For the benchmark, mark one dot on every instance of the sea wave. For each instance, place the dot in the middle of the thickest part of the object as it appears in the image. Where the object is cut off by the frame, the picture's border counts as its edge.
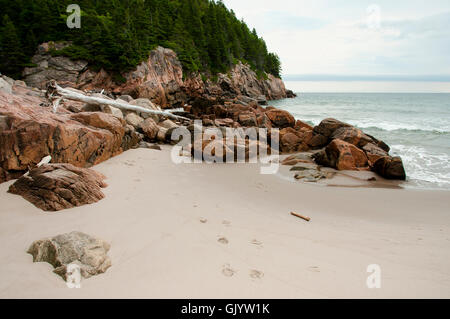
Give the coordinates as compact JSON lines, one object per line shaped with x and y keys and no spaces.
{"x":424,"y":167}
{"x":392,"y":127}
{"x":383,"y":126}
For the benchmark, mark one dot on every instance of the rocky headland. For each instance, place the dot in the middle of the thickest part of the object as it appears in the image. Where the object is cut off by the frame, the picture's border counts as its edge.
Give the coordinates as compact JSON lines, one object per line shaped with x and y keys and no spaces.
{"x":84,"y":134}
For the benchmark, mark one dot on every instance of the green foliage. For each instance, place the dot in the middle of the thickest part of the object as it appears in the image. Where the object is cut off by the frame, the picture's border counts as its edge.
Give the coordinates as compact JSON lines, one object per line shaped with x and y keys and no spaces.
{"x":119,"y":34}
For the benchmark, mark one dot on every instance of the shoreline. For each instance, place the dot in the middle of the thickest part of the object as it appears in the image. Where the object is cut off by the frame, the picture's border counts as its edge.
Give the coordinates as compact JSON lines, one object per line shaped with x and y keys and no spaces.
{"x":153,"y":207}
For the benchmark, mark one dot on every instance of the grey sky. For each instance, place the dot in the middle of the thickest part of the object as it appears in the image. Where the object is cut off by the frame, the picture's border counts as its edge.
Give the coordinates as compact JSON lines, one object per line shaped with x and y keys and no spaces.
{"x":354,"y":37}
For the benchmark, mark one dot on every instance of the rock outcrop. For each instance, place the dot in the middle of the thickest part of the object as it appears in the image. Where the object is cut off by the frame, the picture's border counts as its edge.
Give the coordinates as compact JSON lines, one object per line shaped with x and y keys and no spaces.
{"x":48,"y":67}
{"x":29,"y":132}
{"x":75,"y":248}
{"x":54,"y":187}
{"x":159,"y":79}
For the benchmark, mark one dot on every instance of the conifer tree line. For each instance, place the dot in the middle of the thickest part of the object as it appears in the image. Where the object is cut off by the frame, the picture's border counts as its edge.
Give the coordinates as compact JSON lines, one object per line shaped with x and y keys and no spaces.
{"x":117,"y":35}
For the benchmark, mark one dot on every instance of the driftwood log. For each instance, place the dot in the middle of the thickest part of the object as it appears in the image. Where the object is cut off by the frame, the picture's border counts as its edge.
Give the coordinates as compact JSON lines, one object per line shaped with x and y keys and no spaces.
{"x":301,"y":216}
{"x":55,"y":93}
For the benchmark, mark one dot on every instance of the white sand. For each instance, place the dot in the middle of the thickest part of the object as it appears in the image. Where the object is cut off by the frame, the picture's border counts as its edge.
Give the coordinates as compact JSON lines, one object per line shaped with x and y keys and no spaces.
{"x":160,"y":248}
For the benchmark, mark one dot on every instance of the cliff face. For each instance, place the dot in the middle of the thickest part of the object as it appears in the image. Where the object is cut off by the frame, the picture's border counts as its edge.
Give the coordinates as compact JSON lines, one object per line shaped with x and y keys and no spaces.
{"x":159,"y":79}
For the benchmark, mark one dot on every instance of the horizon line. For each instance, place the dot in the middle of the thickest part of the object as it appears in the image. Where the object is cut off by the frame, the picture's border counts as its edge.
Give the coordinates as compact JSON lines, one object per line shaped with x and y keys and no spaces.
{"x":380,"y":77}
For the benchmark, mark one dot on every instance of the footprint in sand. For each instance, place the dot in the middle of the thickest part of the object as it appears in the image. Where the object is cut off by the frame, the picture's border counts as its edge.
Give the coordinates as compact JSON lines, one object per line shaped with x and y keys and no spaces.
{"x":226,"y":223}
{"x":314,"y":269}
{"x":257,"y":243}
{"x":256,"y":274}
{"x":227,"y":271}
{"x":223,"y":240}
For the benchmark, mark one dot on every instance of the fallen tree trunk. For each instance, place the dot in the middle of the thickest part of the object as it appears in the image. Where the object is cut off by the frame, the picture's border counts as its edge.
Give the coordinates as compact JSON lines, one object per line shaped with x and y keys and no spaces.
{"x":54,"y":89}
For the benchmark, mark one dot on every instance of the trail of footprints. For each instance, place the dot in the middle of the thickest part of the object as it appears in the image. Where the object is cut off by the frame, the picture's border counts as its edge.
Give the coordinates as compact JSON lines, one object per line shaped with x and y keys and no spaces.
{"x":227,"y":269}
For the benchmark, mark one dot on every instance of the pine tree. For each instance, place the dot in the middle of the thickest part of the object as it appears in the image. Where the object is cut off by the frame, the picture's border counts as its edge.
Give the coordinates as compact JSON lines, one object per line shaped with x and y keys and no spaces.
{"x":118,"y":34}
{"x":12,"y":58}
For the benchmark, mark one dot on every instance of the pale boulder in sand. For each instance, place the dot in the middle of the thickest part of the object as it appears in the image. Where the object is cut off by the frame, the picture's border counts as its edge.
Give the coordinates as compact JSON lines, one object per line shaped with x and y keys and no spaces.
{"x":87,"y":252}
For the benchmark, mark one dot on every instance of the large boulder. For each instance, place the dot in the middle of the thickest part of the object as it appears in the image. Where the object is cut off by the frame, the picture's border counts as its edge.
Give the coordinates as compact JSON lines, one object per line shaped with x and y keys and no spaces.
{"x":292,"y":140}
{"x":280,"y":118}
{"x":31,"y":132}
{"x":328,"y":126}
{"x":342,"y":156}
{"x":390,"y":168}
{"x":351,"y":135}
{"x":75,"y":248}
{"x":54,"y":187}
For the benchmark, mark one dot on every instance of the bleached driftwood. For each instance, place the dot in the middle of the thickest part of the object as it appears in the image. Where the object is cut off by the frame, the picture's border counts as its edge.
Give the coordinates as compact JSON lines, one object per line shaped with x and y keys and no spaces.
{"x":45,"y":160}
{"x":54,"y":89}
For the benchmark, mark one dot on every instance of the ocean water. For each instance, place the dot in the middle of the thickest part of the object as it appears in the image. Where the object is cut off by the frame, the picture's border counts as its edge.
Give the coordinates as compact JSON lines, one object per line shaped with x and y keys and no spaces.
{"x":415,"y":125}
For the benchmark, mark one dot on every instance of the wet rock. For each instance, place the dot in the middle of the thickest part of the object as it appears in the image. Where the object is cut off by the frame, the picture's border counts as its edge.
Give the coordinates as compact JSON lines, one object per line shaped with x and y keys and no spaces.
{"x":87,"y":252}
{"x":290,"y":94}
{"x":374,"y":152}
{"x":390,"y":168}
{"x":54,"y":187}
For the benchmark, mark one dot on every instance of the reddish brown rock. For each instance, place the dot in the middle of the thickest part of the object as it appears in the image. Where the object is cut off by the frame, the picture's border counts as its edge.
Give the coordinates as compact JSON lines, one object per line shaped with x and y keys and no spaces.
{"x":289,"y":142}
{"x":159,"y":78}
{"x":54,"y":187}
{"x":31,"y":132}
{"x":150,"y":129}
{"x":390,"y":168}
{"x":280,"y":118}
{"x":292,"y":140}
{"x":248,"y":119}
{"x":342,"y":156}
{"x":227,"y":122}
{"x":317,"y":141}
{"x":351,"y":135}
{"x":300,"y":124}
{"x":264,"y":121}
{"x":374,"y":152}
{"x":328,"y":126}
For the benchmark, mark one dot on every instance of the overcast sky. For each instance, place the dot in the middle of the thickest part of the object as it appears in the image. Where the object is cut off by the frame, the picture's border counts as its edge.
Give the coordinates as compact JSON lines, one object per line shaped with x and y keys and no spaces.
{"x":353,"y":37}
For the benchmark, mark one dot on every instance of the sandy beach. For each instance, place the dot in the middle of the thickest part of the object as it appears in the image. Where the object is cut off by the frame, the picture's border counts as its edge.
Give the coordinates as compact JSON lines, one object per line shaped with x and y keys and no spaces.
{"x":225,"y":231}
